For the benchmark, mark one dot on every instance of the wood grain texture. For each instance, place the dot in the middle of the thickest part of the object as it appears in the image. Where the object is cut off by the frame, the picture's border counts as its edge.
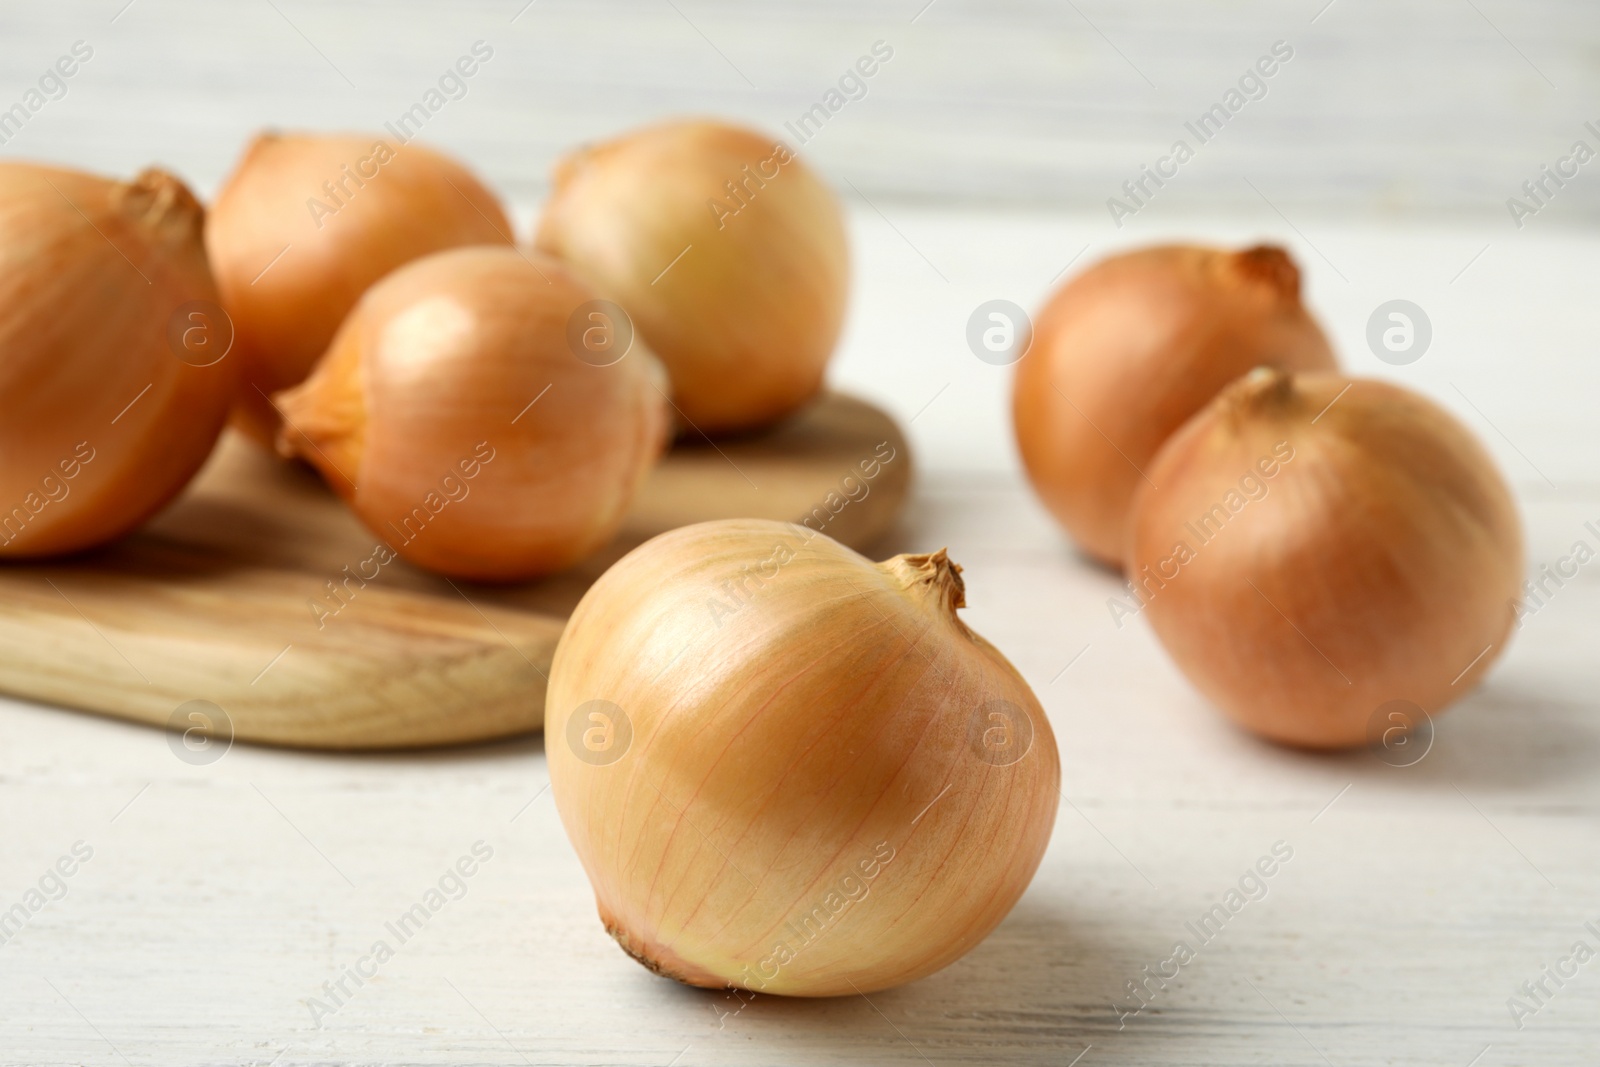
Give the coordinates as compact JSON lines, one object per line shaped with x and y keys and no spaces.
{"x":214,"y":600}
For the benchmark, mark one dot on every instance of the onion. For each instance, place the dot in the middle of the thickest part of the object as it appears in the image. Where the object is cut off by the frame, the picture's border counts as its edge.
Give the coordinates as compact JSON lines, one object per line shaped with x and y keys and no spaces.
{"x":113,"y":381}
{"x":1126,"y":351}
{"x":725,"y":249}
{"x":429,"y":415}
{"x":307,"y":223}
{"x":792,"y":770}
{"x":1319,"y":547}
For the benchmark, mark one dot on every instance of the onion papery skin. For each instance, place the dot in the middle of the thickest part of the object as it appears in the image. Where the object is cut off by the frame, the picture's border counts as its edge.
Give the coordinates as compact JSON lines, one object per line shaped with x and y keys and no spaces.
{"x":826,"y":725}
{"x":747,"y":319}
{"x":93,"y":273}
{"x":1382,"y":564}
{"x":1125,"y":352}
{"x":293,"y":256}
{"x":458,"y":367}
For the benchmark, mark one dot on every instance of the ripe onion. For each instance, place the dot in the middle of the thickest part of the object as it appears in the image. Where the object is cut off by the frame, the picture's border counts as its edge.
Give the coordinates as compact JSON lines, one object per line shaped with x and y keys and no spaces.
{"x":789,"y":769}
{"x":1319,"y":547}
{"x":727,"y":251}
{"x":113,"y":381}
{"x":307,"y":223}
{"x":1126,"y":351}
{"x":429,"y":415}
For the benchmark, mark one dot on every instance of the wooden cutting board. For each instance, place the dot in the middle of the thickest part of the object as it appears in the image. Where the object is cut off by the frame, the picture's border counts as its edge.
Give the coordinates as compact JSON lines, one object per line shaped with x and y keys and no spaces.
{"x":213,"y":600}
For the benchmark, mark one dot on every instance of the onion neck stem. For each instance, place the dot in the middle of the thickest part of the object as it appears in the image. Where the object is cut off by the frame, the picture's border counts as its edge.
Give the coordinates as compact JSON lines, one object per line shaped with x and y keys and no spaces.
{"x":933,"y":578}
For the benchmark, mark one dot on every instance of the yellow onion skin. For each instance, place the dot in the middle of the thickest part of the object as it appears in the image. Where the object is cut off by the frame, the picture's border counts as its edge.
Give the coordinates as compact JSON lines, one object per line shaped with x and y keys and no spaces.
{"x":795,"y":716}
{"x":1126,"y":351}
{"x":103,"y":423}
{"x":388,"y":204}
{"x":457,"y":367}
{"x":748,"y":317}
{"x":1379,"y":562}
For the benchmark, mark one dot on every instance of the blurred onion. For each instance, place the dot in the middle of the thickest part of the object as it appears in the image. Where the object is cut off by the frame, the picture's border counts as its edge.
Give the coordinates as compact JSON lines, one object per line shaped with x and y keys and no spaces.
{"x":455,"y":418}
{"x":306,"y":223}
{"x":725,"y":248}
{"x":115,"y":375}
{"x":1321,"y":546}
{"x":1124,"y":352}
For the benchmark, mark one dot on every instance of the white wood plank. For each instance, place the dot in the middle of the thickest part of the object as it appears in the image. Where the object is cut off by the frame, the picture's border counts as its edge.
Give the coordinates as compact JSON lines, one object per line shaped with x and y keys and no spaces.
{"x":216,"y":903}
{"x":1404,"y":109}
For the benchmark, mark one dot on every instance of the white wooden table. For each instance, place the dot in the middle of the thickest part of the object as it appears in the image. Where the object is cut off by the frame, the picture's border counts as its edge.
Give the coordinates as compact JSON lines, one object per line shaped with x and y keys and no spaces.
{"x":220,"y":898}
